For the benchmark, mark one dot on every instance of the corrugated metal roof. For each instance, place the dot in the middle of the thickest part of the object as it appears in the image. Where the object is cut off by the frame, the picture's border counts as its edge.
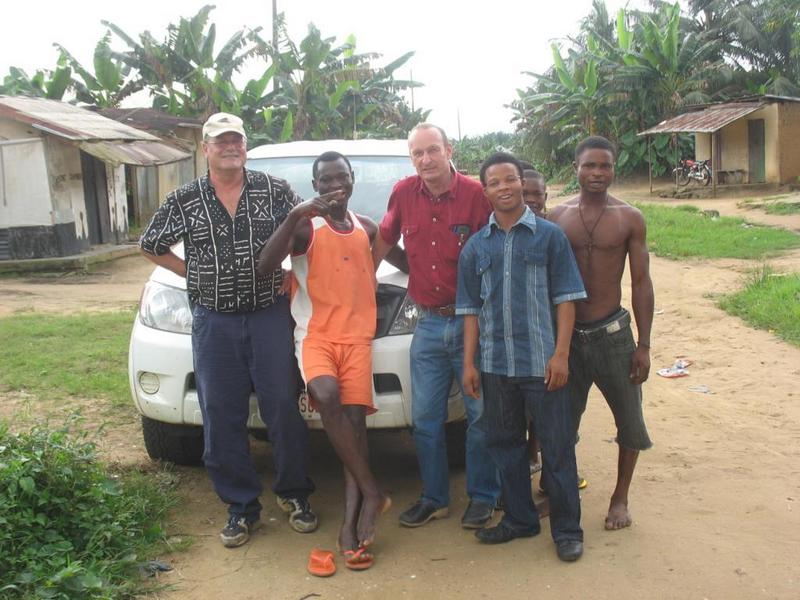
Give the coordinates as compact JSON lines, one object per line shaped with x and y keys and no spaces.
{"x":68,"y":121}
{"x":141,"y":153}
{"x":149,"y":119}
{"x":107,"y":139}
{"x":708,"y":120}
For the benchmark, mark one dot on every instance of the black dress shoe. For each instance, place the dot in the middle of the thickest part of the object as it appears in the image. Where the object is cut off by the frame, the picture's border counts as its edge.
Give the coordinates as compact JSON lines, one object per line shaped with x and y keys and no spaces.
{"x":569,"y":550}
{"x":477,"y":515}
{"x":421,"y":512}
{"x":502,"y":533}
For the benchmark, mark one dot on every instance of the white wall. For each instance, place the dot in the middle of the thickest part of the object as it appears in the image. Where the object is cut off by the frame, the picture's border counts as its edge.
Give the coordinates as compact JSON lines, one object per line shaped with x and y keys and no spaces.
{"x":24,"y":191}
{"x":66,"y":184}
{"x":117,"y":201}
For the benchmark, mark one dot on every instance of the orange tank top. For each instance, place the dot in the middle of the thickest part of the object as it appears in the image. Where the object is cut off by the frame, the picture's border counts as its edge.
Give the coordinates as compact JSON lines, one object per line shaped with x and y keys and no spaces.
{"x":333,"y":285}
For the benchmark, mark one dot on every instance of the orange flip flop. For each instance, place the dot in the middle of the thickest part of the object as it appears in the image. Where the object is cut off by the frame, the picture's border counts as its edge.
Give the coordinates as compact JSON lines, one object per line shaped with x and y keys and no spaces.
{"x":320,"y":563}
{"x":358,"y":560}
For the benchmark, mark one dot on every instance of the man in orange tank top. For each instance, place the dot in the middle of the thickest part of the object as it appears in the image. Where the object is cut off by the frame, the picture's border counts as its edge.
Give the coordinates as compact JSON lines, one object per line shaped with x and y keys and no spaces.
{"x":333,"y":304}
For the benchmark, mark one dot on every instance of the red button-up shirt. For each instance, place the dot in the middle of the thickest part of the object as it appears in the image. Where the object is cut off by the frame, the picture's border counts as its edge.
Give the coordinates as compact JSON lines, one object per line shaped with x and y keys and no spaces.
{"x":434,"y":231}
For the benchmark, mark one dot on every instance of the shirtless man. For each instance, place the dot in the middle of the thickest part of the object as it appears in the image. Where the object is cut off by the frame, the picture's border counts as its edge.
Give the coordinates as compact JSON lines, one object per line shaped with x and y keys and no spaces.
{"x":603,"y":231}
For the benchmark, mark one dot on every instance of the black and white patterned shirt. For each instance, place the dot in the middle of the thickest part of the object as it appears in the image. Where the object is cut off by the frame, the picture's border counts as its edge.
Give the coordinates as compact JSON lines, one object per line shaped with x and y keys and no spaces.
{"x":221,"y":252}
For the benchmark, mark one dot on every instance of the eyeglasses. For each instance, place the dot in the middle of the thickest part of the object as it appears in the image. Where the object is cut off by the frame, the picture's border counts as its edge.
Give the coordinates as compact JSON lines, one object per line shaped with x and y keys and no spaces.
{"x":222,"y":143}
{"x":493,"y":184}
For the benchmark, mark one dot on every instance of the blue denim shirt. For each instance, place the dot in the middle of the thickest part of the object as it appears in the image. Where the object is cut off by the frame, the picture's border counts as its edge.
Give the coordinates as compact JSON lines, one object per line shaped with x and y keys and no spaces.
{"x":512,"y":281}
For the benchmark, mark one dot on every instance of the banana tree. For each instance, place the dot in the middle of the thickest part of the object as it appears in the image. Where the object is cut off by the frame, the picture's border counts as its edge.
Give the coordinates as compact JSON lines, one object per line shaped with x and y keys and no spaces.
{"x":44,"y":83}
{"x":177,"y":71}
{"x":111,"y":82}
{"x":665,"y":66}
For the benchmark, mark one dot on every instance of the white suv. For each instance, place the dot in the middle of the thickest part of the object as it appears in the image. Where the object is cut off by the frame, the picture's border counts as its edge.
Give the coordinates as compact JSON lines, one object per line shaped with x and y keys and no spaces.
{"x":160,"y":366}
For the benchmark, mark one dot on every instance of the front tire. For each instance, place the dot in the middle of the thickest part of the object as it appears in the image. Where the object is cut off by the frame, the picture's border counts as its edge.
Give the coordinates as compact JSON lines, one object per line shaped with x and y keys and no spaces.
{"x":683,"y":177}
{"x":179,"y":444}
{"x":706,"y":176}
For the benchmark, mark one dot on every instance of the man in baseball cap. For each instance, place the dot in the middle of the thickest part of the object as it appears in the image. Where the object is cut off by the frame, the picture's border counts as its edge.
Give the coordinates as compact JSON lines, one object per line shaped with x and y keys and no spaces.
{"x":220,"y":123}
{"x":242,"y":337}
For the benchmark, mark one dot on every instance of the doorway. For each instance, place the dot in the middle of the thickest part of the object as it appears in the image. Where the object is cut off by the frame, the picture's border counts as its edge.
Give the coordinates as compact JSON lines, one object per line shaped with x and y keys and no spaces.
{"x":756,"y":151}
{"x":95,"y":194}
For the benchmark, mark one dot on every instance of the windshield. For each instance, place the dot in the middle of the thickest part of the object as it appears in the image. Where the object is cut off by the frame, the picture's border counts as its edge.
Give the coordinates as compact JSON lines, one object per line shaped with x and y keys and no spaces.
{"x":375,"y":177}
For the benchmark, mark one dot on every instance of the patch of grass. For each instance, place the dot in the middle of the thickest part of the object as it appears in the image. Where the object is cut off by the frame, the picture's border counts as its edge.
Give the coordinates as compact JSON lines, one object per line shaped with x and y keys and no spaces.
{"x":684,"y":231}
{"x":69,"y":529}
{"x":55,"y":356}
{"x":782,"y":208}
{"x":769,"y":301}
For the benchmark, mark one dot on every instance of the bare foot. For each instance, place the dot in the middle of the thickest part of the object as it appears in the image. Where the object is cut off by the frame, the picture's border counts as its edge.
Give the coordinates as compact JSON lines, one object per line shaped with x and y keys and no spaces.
{"x":348,"y":538}
{"x":543,"y":507}
{"x":371,"y":509}
{"x":618,"y":515}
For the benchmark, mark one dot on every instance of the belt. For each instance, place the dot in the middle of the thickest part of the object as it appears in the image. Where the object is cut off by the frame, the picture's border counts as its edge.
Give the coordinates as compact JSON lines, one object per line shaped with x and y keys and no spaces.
{"x":587,"y":335}
{"x":448,"y":310}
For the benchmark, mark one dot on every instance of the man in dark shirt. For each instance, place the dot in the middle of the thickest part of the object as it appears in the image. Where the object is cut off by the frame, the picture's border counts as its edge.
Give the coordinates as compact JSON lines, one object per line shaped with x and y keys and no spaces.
{"x":436,"y":211}
{"x":241,"y":329}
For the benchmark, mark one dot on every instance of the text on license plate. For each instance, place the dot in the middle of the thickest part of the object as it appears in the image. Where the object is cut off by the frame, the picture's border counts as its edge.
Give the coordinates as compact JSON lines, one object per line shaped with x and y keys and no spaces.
{"x":306,"y":410}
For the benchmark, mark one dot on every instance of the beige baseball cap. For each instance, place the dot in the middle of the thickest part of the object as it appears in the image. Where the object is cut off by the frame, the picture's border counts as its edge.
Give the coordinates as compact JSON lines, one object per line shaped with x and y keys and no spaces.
{"x":220,"y":123}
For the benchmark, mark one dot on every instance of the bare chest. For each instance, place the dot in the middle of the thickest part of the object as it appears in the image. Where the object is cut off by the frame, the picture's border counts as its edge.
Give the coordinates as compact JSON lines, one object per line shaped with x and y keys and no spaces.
{"x":597,"y":234}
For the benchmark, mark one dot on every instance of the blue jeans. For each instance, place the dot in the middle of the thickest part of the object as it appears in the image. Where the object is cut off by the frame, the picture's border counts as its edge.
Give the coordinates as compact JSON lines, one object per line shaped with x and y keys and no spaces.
{"x":506,"y":399}
{"x":437,"y":354}
{"x":235,"y":353}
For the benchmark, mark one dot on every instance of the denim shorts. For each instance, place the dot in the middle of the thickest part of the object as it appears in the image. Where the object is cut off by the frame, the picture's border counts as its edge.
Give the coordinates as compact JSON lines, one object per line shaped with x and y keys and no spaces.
{"x":604,"y":359}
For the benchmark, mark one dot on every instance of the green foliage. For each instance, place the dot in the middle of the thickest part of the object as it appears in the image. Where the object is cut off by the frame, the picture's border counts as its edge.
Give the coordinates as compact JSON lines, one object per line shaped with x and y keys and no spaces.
{"x":69,"y":529}
{"x":53,"y":357}
{"x":470,"y":152}
{"x":45,"y":84}
{"x":111,"y":82}
{"x":782,"y":208}
{"x":312,"y":90}
{"x":623,"y":75}
{"x":324,"y":90}
{"x":769,"y":301}
{"x":684,"y":232}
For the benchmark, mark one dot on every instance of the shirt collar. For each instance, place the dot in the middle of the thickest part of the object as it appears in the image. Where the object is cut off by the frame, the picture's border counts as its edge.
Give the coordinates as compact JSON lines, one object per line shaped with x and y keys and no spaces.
{"x":450,"y":193}
{"x":205,"y":180}
{"x":528,"y":219}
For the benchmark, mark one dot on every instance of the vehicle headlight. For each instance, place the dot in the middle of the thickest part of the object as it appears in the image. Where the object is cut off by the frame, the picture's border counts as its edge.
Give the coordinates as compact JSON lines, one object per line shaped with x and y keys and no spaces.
{"x":406,"y":320}
{"x":166,"y":308}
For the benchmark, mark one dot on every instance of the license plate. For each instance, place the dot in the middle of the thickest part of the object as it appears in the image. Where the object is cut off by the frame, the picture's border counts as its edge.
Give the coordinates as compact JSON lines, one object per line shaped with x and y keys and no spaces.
{"x":306,"y":410}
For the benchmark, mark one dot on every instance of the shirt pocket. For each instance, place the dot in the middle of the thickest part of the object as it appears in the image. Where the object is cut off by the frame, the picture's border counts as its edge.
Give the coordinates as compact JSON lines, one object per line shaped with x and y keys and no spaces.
{"x":535,"y":269}
{"x":455,"y":237}
{"x":483,"y":270}
{"x":411,"y":239}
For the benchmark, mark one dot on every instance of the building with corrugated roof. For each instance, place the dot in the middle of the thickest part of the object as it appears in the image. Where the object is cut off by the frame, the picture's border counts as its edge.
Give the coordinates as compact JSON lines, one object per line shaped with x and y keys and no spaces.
{"x":749,"y":140}
{"x":62,"y":176}
{"x":149,"y":186}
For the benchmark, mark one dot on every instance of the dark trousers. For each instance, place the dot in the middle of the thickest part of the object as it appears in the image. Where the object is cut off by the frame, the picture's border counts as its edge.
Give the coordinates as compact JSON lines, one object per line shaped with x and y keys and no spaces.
{"x":505,"y":402}
{"x":235,"y":353}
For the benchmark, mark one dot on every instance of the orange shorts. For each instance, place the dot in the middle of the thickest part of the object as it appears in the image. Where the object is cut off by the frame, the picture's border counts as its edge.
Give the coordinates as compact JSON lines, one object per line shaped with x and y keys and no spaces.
{"x":351,"y":364}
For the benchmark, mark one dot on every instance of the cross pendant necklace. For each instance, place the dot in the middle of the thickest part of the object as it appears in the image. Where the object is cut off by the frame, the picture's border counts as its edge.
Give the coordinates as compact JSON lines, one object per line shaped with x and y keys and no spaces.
{"x":590,"y":245}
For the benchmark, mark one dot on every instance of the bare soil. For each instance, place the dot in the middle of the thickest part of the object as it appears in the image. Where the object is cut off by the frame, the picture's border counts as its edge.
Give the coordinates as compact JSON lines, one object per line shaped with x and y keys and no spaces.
{"x":715,"y":503}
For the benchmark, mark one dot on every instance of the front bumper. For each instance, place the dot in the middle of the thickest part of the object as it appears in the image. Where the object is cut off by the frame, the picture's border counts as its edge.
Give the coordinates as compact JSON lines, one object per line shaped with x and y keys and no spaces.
{"x":163,"y":362}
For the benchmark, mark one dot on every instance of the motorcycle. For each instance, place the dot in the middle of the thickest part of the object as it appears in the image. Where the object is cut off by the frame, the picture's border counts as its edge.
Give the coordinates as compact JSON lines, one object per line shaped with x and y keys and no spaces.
{"x":688,"y":169}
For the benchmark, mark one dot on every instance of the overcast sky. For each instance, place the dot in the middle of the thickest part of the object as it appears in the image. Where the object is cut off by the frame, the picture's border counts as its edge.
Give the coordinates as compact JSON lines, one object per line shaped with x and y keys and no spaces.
{"x":469,"y":59}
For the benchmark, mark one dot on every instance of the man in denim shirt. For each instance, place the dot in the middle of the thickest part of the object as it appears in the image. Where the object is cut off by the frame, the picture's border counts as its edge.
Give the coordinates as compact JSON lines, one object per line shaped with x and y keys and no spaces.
{"x":512,"y":274}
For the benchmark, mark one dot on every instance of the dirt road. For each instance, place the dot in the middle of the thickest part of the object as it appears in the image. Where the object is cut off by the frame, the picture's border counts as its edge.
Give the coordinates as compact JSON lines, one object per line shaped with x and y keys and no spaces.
{"x":716,"y":501}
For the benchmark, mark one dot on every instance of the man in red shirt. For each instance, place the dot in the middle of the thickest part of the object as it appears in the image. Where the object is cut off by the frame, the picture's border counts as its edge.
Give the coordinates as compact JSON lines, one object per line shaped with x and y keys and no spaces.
{"x":436,"y":211}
